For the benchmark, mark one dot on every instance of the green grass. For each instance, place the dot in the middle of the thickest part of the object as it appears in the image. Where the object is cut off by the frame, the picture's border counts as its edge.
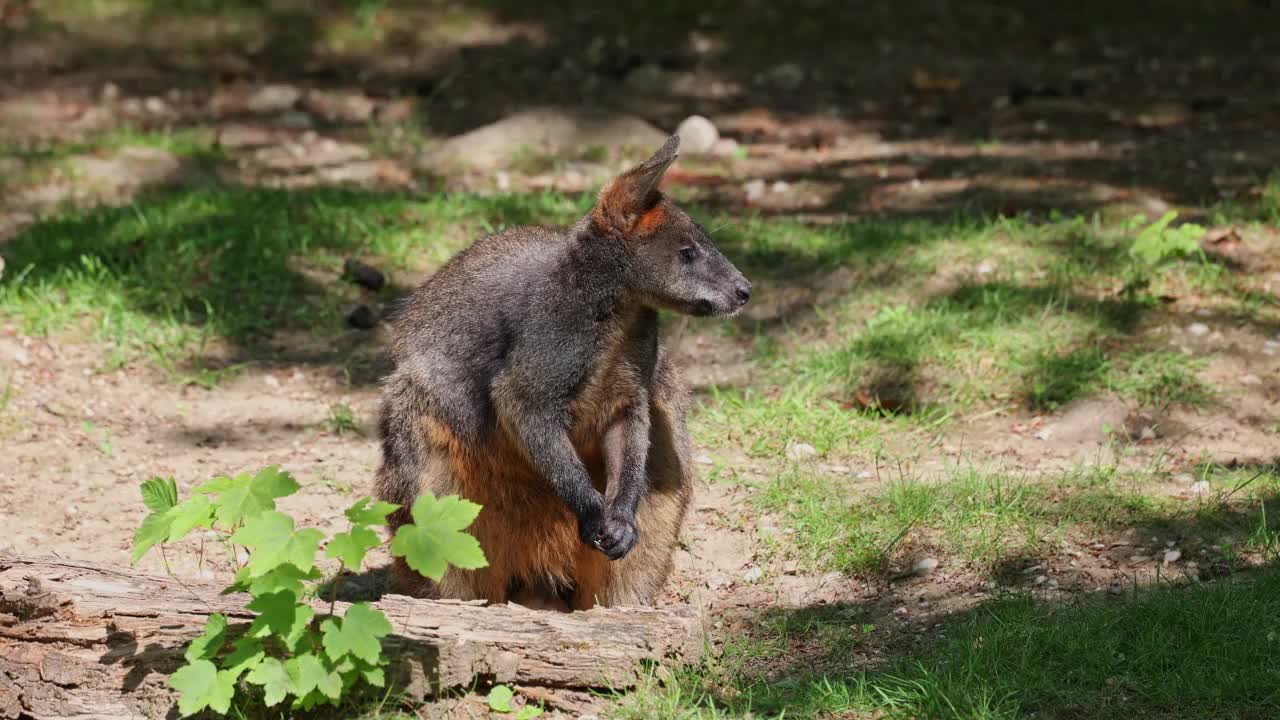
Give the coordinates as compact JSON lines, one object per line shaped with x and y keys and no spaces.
{"x":989,"y":521}
{"x":1202,"y":650}
{"x":179,"y":274}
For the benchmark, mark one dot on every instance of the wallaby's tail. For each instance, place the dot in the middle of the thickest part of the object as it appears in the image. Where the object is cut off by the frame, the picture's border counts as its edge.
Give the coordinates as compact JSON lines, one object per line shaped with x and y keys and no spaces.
{"x":403,"y":449}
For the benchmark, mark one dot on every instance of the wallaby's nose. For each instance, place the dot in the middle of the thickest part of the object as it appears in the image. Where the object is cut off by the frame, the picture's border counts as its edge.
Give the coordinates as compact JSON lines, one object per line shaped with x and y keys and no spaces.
{"x":743,"y":290}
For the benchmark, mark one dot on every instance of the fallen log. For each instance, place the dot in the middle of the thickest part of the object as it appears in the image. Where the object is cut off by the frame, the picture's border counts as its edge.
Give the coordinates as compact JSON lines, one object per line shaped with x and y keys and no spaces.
{"x":79,"y":640}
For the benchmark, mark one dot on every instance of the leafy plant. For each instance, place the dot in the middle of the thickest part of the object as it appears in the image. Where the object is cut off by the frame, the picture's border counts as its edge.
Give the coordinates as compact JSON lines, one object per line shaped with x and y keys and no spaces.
{"x":1158,"y":244}
{"x":500,"y":698}
{"x":288,"y":650}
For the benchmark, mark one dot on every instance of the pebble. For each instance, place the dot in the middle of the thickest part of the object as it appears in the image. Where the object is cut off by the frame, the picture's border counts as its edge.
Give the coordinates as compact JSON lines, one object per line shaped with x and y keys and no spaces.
{"x":718,"y":582}
{"x":1198,"y":329}
{"x":725,"y":147}
{"x":926,"y":566}
{"x":1184,"y":478}
{"x":154,"y":105}
{"x":800,"y":451}
{"x":273,"y":98}
{"x":986,"y":267}
{"x":1270,"y":347}
{"x":21,"y":357}
{"x":1039,"y":579}
{"x":110,"y":92}
{"x":754,"y":189}
{"x":1172,"y":556}
{"x":362,"y":317}
{"x":780,"y":186}
{"x":753,"y":573}
{"x":1250,"y":380}
{"x":698,"y":135}
{"x":704,"y":460}
{"x":1200,"y":488}
{"x":363,"y":274}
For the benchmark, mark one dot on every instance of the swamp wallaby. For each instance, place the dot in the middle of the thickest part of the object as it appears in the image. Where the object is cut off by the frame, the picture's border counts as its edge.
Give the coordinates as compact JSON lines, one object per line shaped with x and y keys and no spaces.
{"x":528,"y":378}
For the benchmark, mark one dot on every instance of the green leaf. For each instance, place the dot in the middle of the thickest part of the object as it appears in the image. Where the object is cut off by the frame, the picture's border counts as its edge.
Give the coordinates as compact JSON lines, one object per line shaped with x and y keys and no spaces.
{"x":189,"y":514}
{"x":275,"y":680}
{"x":367,"y":512}
{"x":434,"y":540}
{"x":159,"y":494}
{"x":350,"y":547}
{"x":312,"y":675}
{"x":280,"y":614}
{"x":200,"y":685}
{"x":528,"y":712}
{"x":282,"y":578}
{"x":206,"y":646}
{"x":358,"y":633}
{"x":374,"y":676}
{"x":274,"y":542}
{"x":500,"y":698}
{"x":247,"y":656}
{"x":153,"y":530}
{"x":244,"y":497}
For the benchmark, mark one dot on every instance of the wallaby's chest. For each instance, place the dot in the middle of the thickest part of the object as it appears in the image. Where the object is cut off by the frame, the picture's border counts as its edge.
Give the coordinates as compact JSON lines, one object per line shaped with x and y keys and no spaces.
{"x":614,"y":375}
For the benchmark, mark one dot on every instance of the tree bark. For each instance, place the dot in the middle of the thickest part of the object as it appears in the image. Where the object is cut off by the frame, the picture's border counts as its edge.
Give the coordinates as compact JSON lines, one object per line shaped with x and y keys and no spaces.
{"x":79,"y":640}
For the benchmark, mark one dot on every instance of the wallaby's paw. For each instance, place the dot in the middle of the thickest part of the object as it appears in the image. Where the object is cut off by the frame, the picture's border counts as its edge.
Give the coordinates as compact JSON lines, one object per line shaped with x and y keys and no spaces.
{"x":616,"y":536}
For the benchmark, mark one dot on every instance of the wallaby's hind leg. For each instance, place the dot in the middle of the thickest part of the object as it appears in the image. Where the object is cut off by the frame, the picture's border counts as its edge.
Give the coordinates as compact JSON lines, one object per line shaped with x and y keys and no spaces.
{"x":638,"y":578}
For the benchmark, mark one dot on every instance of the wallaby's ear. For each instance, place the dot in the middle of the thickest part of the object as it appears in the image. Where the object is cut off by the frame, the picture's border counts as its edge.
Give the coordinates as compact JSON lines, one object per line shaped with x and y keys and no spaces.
{"x":634,"y":192}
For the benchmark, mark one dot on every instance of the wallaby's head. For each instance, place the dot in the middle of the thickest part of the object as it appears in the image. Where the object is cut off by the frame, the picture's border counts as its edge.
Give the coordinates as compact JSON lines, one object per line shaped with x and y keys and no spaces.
{"x":674,"y":265}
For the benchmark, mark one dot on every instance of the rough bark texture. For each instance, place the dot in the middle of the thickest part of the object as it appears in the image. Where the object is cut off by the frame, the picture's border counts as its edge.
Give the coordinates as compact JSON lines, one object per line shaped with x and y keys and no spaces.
{"x":85,"y":641}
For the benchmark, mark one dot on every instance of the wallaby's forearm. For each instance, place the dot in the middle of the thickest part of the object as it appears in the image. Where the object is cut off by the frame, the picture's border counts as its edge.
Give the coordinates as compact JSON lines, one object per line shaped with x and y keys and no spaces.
{"x":626,"y":454}
{"x":551,"y":453}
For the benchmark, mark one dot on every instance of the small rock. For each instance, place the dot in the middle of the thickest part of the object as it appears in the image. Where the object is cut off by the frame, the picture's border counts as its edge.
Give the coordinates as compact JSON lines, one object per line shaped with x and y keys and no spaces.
{"x":1200,"y":488}
{"x":1053,"y":583}
{"x":1115,"y":589}
{"x":753,"y":574}
{"x":273,"y":98}
{"x":704,"y":460}
{"x":1197,"y":329}
{"x":1184,"y":478}
{"x":1039,"y":579}
{"x":1172,"y":556}
{"x":725,"y":147}
{"x":985,"y":267}
{"x":768,"y":532}
{"x":502,"y":179}
{"x":21,"y":357}
{"x":1139,"y":558}
{"x":110,"y":92}
{"x":698,"y":136}
{"x":1250,"y":380}
{"x":902,"y":611}
{"x":780,"y":186}
{"x":363,"y":275}
{"x":363,"y":318}
{"x":718,"y":582}
{"x":1270,"y":347}
{"x":754,"y":189}
{"x":272,"y":381}
{"x":926,"y":566}
{"x":790,"y":567}
{"x":866,"y":475}
{"x":155,"y":106}
{"x":800,"y":451}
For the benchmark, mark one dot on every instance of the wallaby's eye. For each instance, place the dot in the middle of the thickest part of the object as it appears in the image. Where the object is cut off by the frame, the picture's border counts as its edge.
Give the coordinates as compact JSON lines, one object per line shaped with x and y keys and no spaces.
{"x":688,"y":254}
